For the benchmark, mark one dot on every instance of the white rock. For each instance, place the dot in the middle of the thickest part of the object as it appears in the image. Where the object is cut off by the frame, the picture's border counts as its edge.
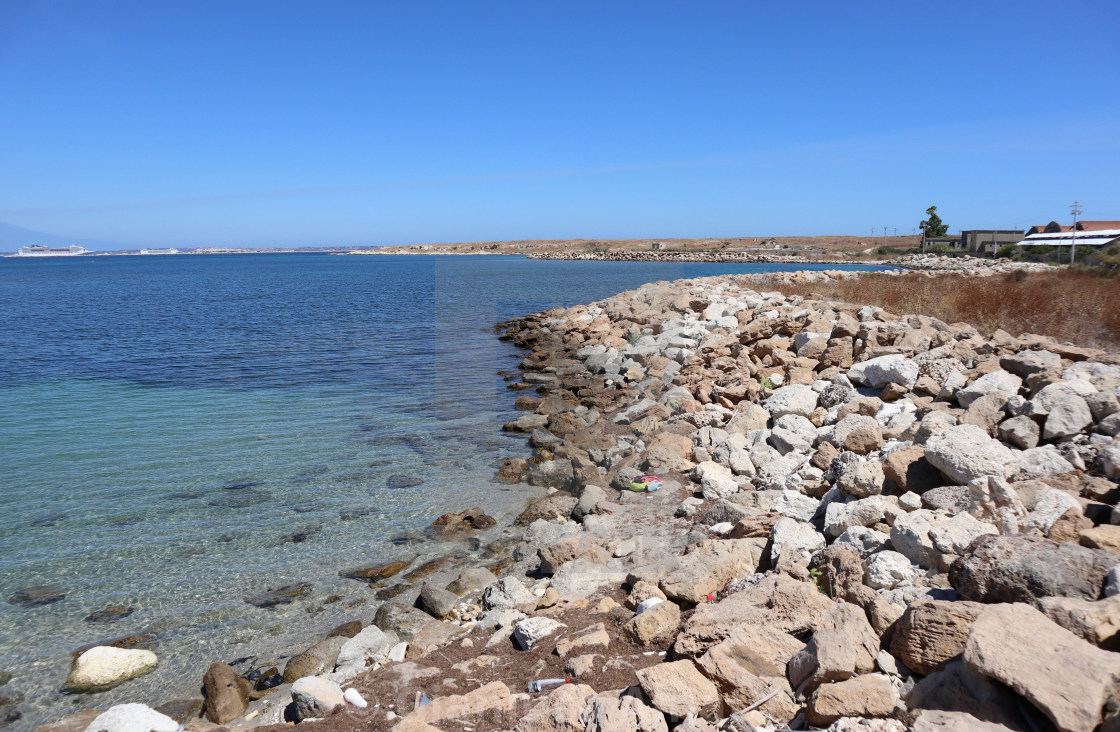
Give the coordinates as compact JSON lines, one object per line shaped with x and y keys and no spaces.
{"x":527,"y":632}
{"x":103,"y":667}
{"x":864,"y":540}
{"x":647,"y":604}
{"x":1002,"y":381}
{"x":718,"y":484}
{"x":909,"y":501}
{"x":798,"y":538}
{"x":965,"y":452}
{"x":361,"y":651}
{"x":797,"y":399}
{"x":316,"y":697}
{"x":1049,"y":509}
{"x":840,"y":516}
{"x":1041,"y":462}
{"x":796,"y":505}
{"x":953,"y":535}
{"x":910,"y":537}
{"x":886,"y":570}
{"x":132,"y":718}
{"x":891,"y":369}
{"x":396,"y":653}
{"x":1069,"y":416}
{"x":1109,"y":457}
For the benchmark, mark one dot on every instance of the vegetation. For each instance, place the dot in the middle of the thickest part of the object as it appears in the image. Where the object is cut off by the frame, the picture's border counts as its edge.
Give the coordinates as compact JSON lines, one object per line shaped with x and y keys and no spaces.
{"x":933,"y":226}
{"x":1081,"y":305}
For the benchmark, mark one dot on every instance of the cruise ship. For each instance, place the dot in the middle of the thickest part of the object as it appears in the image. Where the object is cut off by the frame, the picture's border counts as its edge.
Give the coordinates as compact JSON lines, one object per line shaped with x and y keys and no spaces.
{"x":38,"y":250}
{"x":159,"y":251}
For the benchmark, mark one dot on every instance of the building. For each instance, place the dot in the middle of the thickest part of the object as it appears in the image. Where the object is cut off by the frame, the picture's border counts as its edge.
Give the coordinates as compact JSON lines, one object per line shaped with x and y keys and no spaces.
{"x":658,"y":246}
{"x":1097,"y":234}
{"x":988,"y":241}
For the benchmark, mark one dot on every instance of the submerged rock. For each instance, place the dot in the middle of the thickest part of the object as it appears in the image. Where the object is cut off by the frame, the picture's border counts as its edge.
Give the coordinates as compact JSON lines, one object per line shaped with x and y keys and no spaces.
{"x":279,"y":596}
{"x":103,"y":667}
{"x":37,"y":596}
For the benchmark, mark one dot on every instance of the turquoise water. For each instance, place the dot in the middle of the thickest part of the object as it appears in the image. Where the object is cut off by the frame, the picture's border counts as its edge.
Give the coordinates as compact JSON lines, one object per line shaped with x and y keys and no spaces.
{"x":171,"y":424}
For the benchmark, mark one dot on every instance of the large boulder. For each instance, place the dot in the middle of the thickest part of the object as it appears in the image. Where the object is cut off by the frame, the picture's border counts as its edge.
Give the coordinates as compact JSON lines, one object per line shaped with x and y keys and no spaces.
{"x":863,"y":697}
{"x":614,"y":712}
{"x":796,"y":399}
{"x":103,"y":667}
{"x":1068,"y":679}
{"x":318,"y":659}
{"x":679,"y":689}
{"x":749,"y":664}
{"x":1024,"y":568}
{"x":654,"y":624}
{"x":132,"y":718}
{"x":709,"y":566}
{"x":996,"y":381}
{"x":361,"y":651}
{"x":891,"y":369}
{"x":965,"y":452}
{"x":559,"y":711}
{"x":316,"y":697}
{"x":931,"y":633}
{"x":958,"y":690}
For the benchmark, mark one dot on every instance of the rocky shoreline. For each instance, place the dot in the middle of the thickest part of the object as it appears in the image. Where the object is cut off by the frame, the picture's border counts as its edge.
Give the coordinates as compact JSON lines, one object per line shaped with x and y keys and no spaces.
{"x":865,"y":521}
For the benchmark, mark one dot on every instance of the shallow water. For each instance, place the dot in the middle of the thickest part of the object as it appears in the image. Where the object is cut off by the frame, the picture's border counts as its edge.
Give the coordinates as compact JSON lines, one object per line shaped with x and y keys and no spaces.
{"x":181,"y":432}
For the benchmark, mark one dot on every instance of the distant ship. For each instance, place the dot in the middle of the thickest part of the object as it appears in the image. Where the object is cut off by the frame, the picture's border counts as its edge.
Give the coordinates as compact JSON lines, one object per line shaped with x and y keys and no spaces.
{"x":159,"y":251}
{"x":38,"y":250}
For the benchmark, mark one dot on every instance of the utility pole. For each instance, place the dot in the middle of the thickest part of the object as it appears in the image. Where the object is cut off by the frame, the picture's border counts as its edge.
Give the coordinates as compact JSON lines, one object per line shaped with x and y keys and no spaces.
{"x":1074,"y":208}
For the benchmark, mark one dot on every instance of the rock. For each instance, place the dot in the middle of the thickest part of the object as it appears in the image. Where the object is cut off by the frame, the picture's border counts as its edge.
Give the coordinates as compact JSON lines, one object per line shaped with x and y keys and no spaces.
{"x":1105,"y":537}
{"x":610,"y":712}
{"x":507,"y":592}
{"x":403,"y":481}
{"x":403,"y":620}
{"x":996,"y":381}
{"x":102,"y":667}
{"x":796,"y":399}
{"x":348,"y":629}
{"x":654,"y":624}
{"x":1022,"y":432}
{"x":589,"y":497}
{"x":1042,"y":462}
{"x":797,"y":539}
{"x":910,"y":536}
{"x":953,"y":535}
{"x":861,"y":479}
{"x":279,"y":596}
{"x":1068,"y":679}
{"x":936,"y":721}
{"x":361,"y":651}
{"x":437,"y":601}
{"x":707,"y":567}
{"x":318,"y":659}
{"x":593,"y":637}
{"x":678,"y":689}
{"x":316,"y":697}
{"x":471,"y":580}
{"x":838,"y":568}
{"x":1070,"y":415}
{"x":886,"y":570}
{"x":132,"y":718}
{"x":958,"y":690}
{"x":1026,"y":363}
{"x":932,"y":633}
{"x":555,"y":555}
{"x":493,"y":696}
{"x":433,"y":635}
{"x":965,"y":452}
{"x":471,"y":519}
{"x":527,"y":633}
{"x":227,"y":693}
{"x":1048,"y":509}
{"x":559,"y":711}
{"x":950,"y":499}
{"x":354,"y":698}
{"x":551,"y":473}
{"x":778,"y":603}
{"x":512,"y":470}
{"x":559,"y":505}
{"x":891,"y":369}
{"x":839,"y":516}
{"x":749,"y":664}
{"x":37,"y":596}
{"x":183,"y":710}
{"x":376,"y":572}
{"x":1023,"y":568}
{"x":581,"y":578}
{"x":1097,"y":622}
{"x":865,"y":696}
{"x":110,"y":614}
{"x":844,"y":646}
{"x":863,"y":540}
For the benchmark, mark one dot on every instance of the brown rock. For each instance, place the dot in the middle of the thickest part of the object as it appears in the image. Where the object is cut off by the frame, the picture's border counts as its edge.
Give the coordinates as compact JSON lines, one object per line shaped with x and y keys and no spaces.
{"x":709,"y":566}
{"x":960,"y":690}
{"x":227,"y":693}
{"x":642,"y":591}
{"x":931,"y":633}
{"x":547,"y":508}
{"x":468,"y":520}
{"x":756,"y":526}
{"x":492,"y":696}
{"x":377,"y":572}
{"x":654,"y":624}
{"x":560,"y":711}
{"x":863,"y":440}
{"x":838,"y":568}
{"x":880,"y":613}
{"x":593,"y":638}
{"x":844,"y":646}
{"x":910,"y":470}
{"x":1097,"y":622}
{"x":1106,"y":537}
{"x":866,"y":696}
{"x":347,"y":630}
{"x":512,"y":469}
{"x":824,"y":455}
{"x":749,"y":664}
{"x":1069,"y":525}
{"x":554,"y":556}
{"x":1068,"y":679}
{"x":679,"y":689}
{"x":318,"y":659}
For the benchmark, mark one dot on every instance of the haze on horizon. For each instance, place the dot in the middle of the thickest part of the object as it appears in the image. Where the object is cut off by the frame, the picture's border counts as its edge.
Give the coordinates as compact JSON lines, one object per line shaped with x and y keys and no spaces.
{"x":344,"y":123}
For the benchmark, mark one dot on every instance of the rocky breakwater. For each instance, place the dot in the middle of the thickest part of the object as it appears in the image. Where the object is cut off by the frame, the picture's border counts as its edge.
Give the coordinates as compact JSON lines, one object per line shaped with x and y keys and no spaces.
{"x":865,"y":522}
{"x":983,"y":266}
{"x":647,"y":255}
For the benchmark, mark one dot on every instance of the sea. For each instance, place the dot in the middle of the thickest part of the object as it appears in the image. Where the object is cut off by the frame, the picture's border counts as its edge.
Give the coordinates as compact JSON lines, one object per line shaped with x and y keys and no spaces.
{"x":181,"y":432}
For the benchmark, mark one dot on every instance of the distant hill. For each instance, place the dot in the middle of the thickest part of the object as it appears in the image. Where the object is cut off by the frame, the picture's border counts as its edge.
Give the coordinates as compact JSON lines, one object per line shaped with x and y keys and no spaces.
{"x":13,"y":237}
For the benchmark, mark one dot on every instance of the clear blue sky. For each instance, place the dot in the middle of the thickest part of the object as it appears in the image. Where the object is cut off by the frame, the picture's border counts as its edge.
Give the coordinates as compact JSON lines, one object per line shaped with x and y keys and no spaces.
{"x":315,"y":123}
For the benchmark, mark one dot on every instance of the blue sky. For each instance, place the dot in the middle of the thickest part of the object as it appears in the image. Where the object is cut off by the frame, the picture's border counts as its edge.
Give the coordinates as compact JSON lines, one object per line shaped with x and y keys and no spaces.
{"x":319,"y":123}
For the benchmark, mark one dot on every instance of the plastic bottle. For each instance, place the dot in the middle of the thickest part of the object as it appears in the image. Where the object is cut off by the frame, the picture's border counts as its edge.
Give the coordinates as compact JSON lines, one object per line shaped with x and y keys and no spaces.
{"x":542,"y":684}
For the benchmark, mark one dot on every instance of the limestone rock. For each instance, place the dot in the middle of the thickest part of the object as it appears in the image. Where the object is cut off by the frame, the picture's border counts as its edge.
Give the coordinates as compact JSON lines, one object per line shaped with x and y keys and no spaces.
{"x":318,"y":659}
{"x":361,"y":651}
{"x":965,"y":452}
{"x":316,"y":697}
{"x":591,"y":638}
{"x":795,"y":539}
{"x":679,"y":689}
{"x":506,"y":593}
{"x":1097,"y":622}
{"x":102,"y":667}
{"x":560,"y":711}
{"x":471,"y":580}
{"x":796,"y":399}
{"x":1070,"y":415}
{"x":954,"y":534}
{"x":1068,"y":679}
{"x":910,"y":470}
{"x":610,"y":712}
{"x":931,"y":633}
{"x":437,"y":601}
{"x":865,"y":696}
{"x":403,"y":620}
{"x":891,"y":369}
{"x":527,"y":633}
{"x":937,"y":721}
{"x":886,"y":570}
{"x":492,"y":696}
{"x":132,"y":718}
{"x":844,"y":646}
{"x":1000,"y":381}
{"x":839,"y":568}
{"x":654,"y":624}
{"x":958,"y":690}
{"x":552,"y":557}
{"x":707,"y":567}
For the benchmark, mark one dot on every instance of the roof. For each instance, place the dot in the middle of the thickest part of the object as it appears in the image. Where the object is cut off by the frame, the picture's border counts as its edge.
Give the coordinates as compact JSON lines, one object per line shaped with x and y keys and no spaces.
{"x":1097,"y":225}
{"x":1097,"y":238}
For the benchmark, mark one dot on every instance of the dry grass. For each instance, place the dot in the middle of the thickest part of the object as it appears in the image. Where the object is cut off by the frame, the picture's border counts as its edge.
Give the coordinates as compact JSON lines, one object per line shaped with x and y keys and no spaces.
{"x":1076,"y":306}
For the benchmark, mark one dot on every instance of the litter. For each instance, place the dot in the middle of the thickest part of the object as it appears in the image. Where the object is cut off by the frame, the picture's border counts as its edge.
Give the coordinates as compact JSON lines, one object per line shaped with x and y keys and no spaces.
{"x":648,"y":483}
{"x":542,"y":684}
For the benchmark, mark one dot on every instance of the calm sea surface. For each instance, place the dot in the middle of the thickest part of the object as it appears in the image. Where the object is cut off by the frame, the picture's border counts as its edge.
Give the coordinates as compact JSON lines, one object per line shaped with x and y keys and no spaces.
{"x":169,"y":424}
